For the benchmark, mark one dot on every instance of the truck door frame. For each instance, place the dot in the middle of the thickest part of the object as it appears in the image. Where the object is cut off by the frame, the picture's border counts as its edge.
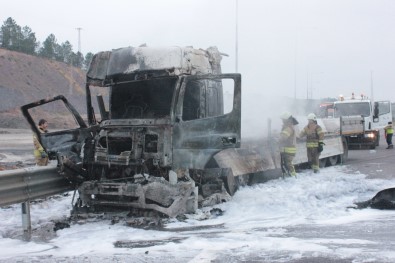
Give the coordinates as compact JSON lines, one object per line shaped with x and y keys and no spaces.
{"x":196,"y":141}
{"x":382,"y":117}
{"x":58,"y":141}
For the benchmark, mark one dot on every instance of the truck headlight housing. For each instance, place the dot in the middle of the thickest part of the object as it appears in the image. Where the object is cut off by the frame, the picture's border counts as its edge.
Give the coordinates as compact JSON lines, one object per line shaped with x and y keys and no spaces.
{"x":370,"y":135}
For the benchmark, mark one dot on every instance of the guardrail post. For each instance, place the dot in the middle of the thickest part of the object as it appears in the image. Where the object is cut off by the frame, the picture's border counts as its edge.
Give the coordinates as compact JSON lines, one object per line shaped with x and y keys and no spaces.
{"x":26,"y":222}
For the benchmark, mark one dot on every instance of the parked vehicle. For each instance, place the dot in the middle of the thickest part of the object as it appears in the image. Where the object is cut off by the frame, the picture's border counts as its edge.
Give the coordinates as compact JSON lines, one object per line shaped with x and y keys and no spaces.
{"x":362,"y":120}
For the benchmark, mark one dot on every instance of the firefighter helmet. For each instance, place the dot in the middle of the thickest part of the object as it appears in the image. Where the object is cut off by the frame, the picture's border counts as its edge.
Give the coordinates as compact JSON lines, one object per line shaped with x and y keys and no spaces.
{"x":285,"y":115}
{"x":312,"y":117}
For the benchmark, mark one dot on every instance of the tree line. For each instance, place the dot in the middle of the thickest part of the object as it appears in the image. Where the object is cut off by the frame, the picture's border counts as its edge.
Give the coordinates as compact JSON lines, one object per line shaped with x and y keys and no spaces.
{"x":23,"y":39}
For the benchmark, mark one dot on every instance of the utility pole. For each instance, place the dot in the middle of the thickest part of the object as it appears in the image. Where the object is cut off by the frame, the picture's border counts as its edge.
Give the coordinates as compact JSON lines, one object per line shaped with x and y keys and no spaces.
{"x":237,"y":36}
{"x":79,"y":38}
{"x":296,"y":46}
{"x":295,"y":61}
{"x":307,"y":87}
{"x":371,"y":85}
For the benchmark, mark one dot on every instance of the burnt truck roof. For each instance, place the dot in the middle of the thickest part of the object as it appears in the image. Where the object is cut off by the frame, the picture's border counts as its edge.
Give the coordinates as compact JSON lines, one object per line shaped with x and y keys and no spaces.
{"x":169,"y":61}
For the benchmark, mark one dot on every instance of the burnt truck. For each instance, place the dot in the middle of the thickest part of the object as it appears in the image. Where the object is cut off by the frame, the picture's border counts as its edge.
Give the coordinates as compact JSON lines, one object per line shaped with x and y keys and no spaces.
{"x":162,"y":132}
{"x":156,"y":118}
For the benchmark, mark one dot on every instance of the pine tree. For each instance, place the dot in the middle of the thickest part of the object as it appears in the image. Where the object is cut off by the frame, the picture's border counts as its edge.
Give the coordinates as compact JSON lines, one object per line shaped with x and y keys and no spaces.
{"x":12,"y":35}
{"x":29,"y":42}
{"x":67,"y":50}
{"x":88,"y":59}
{"x":49,"y":47}
{"x":77,"y":59}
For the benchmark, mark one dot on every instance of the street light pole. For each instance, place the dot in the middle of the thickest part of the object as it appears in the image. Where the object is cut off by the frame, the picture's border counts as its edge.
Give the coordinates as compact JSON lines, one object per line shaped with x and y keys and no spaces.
{"x":237,"y":37}
{"x":295,"y":58}
{"x":79,"y":39}
{"x":295,"y":63}
{"x":312,"y":81}
{"x":371,"y":85}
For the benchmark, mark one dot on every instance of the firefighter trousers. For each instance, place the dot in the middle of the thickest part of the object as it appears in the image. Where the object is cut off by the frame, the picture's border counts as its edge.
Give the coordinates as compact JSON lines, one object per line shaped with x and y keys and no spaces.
{"x":313,"y":157}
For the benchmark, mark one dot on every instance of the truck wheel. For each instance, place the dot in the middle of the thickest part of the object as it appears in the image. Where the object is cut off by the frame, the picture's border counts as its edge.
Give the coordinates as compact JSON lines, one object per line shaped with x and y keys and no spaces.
{"x":332,"y":160}
{"x":229,"y":181}
{"x":322,"y":162}
{"x":243,"y":180}
{"x":344,"y":156}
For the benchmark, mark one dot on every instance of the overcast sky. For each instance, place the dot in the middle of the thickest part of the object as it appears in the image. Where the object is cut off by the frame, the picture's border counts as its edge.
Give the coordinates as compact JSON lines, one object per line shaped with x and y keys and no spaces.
{"x":307,"y":48}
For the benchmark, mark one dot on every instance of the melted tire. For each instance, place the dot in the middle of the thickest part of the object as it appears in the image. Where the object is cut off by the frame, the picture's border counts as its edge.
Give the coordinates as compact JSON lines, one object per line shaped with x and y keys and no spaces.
{"x":230,"y":181}
{"x":323,"y":162}
{"x":332,"y":160}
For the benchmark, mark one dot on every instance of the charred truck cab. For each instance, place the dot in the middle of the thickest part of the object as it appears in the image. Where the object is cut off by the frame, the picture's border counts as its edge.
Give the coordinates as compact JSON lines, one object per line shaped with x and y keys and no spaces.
{"x":165,"y":113}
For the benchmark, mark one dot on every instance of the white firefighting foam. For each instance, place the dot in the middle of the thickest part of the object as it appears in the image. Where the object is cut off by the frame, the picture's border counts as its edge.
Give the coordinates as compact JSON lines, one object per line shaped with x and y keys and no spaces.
{"x":281,"y":219}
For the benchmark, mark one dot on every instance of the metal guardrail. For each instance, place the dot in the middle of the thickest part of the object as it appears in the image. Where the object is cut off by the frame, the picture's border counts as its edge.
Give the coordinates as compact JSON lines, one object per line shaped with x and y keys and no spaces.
{"x":22,"y":185}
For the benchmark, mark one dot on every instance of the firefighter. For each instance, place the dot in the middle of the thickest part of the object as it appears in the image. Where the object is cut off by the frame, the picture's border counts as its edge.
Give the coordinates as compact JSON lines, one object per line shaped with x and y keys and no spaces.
{"x":314,"y":141}
{"x":40,"y":155}
{"x":388,"y":132}
{"x":288,"y":144}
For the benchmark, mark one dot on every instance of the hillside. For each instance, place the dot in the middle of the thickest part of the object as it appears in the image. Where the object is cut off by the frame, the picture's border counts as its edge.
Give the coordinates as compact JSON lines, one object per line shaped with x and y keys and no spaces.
{"x":25,"y":78}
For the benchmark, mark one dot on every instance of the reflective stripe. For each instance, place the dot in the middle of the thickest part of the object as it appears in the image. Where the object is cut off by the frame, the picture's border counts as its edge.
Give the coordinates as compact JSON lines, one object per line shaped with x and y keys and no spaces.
{"x":291,"y":150}
{"x":37,"y":153}
{"x":311,"y":144}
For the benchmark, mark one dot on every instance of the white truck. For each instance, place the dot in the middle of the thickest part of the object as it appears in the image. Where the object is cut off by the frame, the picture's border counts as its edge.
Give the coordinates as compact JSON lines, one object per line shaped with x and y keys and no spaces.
{"x":362,"y":119}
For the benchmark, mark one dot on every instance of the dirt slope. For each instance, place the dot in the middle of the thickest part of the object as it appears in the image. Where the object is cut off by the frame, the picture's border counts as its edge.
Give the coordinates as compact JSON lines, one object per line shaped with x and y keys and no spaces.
{"x":25,"y":78}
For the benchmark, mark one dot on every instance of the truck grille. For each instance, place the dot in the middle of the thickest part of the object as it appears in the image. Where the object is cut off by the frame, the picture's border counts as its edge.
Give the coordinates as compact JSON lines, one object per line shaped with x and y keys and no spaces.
{"x":151,"y":143}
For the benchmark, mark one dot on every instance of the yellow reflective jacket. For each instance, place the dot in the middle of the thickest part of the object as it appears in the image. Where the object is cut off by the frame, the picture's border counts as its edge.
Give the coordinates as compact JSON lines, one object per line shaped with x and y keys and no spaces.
{"x":288,"y":139}
{"x":313,"y":133}
{"x":388,"y":129}
{"x":38,"y":148}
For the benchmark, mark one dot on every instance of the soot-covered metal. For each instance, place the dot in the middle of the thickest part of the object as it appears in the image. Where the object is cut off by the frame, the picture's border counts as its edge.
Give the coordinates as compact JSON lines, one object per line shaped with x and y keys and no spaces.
{"x":160,"y":127}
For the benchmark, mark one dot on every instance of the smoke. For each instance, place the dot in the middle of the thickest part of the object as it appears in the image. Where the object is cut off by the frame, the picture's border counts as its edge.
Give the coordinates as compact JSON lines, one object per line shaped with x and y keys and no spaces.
{"x":260,"y":112}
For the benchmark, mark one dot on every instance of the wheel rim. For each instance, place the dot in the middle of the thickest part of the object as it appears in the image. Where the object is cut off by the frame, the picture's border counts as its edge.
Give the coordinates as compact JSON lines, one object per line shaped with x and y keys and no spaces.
{"x":333,"y":160}
{"x":322,"y":163}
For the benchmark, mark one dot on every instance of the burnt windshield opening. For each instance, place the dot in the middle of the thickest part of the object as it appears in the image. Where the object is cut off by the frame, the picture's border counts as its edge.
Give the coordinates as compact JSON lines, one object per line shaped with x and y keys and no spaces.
{"x":145,"y":99}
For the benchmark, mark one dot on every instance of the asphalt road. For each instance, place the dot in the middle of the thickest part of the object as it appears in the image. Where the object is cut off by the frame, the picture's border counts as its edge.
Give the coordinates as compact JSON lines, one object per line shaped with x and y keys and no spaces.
{"x":377,"y":163}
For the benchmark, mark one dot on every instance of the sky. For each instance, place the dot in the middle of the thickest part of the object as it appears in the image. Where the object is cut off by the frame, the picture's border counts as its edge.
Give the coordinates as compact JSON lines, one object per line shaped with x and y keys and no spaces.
{"x":280,"y":220}
{"x":303,"y":49}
